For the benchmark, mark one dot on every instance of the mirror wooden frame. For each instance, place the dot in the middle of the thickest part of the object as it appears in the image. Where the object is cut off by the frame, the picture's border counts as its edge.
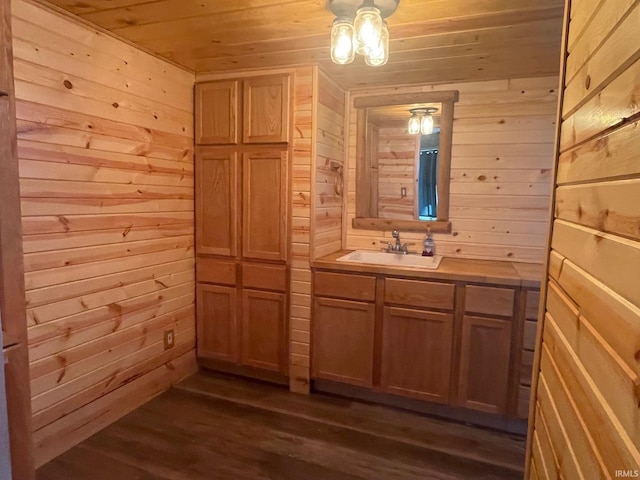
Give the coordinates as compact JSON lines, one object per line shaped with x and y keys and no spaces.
{"x":364,"y":190}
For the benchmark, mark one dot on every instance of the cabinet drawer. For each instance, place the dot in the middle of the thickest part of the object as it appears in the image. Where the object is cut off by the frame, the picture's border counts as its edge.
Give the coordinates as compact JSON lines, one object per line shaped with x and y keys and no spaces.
{"x":415,"y":293}
{"x":344,"y":285}
{"x":211,"y":270}
{"x":489,"y":300}
{"x":267,"y":277}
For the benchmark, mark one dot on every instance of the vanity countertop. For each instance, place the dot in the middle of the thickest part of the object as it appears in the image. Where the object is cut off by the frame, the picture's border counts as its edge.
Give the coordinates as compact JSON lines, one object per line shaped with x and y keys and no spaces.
{"x":481,"y":271}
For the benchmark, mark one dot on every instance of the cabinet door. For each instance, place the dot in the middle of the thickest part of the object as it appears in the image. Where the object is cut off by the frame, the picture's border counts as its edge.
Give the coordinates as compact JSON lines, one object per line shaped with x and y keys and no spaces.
{"x":266,"y":109}
{"x":416,"y":353}
{"x":264,"y":331}
{"x":216,"y":323}
{"x":343,"y":341}
{"x":484,"y":364}
{"x":265,"y":195}
{"x":216,"y":106}
{"x":216,"y":182}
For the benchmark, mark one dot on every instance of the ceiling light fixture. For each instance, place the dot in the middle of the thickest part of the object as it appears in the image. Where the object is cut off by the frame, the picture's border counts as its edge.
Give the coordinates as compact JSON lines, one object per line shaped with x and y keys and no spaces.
{"x":421,"y":121}
{"x":359,"y":27}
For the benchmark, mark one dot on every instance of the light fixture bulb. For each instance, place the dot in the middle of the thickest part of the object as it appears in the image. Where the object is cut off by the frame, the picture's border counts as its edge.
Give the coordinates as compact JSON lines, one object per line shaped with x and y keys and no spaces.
{"x":426,"y":125}
{"x":413,"y":128}
{"x":379,"y":56}
{"x":342,"y":48}
{"x":368,"y":29}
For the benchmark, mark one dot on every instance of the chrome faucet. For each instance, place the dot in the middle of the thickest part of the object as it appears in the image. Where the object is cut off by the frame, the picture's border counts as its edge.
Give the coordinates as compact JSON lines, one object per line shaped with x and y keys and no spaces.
{"x":399,"y":247}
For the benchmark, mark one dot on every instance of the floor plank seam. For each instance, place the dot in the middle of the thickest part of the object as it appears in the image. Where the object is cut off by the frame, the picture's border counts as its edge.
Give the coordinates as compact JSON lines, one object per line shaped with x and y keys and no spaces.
{"x":257,"y":405}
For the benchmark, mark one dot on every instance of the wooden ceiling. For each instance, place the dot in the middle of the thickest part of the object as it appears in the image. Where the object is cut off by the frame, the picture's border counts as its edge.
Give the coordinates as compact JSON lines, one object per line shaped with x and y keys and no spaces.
{"x":432,"y":41}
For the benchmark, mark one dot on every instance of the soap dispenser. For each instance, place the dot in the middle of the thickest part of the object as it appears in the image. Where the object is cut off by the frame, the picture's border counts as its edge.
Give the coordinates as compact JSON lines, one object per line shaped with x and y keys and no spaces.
{"x":428,"y":245}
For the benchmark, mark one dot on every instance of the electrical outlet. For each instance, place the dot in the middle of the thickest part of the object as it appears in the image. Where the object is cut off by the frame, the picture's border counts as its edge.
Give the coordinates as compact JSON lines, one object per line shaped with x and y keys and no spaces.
{"x":169,"y":339}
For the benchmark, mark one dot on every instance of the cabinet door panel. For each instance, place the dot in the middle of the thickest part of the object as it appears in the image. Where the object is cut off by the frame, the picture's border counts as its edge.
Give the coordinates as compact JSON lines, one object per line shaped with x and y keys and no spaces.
{"x":264,"y":330}
{"x":417,"y":353}
{"x":216,"y":108}
{"x":216,"y":201}
{"x":217,"y":325}
{"x":484,"y":364}
{"x":266,"y":109}
{"x":343,"y":341}
{"x":265,"y":199}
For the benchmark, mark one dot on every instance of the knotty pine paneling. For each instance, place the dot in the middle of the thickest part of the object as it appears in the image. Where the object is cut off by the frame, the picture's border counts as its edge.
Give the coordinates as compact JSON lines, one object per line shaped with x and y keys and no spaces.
{"x":587,"y":357}
{"x":396,"y":170}
{"x":502,"y":155}
{"x":302,"y":174}
{"x":329,"y":167}
{"x":105,"y":135}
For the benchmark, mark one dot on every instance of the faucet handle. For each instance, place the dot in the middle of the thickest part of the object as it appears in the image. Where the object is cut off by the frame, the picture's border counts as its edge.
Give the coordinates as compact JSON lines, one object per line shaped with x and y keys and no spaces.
{"x":404,"y":247}
{"x":388,"y":244}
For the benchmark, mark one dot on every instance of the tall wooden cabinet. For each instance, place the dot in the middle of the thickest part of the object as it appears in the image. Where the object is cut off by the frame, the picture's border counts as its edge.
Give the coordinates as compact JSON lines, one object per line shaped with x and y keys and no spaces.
{"x":242,"y":223}
{"x":13,"y":320}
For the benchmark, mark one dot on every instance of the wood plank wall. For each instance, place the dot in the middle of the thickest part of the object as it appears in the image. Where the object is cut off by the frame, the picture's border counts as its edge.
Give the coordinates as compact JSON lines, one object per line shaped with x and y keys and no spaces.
{"x":304,"y":129}
{"x":501,"y":170}
{"x":397,"y":152}
{"x":329,"y":163}
{"x":586,"y":421}
{"x":105,"y":134}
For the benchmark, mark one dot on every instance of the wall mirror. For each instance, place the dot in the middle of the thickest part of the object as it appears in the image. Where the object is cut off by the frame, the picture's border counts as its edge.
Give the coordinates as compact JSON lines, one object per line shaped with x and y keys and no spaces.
{"x":403,"y":161}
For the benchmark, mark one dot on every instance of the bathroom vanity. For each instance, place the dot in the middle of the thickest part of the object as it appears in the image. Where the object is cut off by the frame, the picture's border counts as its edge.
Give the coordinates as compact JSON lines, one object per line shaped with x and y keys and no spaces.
{"x":459,"y":339}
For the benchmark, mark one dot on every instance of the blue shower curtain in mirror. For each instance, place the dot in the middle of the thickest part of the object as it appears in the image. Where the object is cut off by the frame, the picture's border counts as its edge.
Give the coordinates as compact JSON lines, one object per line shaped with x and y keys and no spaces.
{"x":428,"y":184}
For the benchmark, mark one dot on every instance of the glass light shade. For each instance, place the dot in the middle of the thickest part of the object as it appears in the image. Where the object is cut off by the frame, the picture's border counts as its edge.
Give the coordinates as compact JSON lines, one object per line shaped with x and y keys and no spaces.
{"x":342,"y":51}
{"x":379,"y":56}
{"x":414,"y":124}
{"x":368,"y":29}
{"x":426,"y":125}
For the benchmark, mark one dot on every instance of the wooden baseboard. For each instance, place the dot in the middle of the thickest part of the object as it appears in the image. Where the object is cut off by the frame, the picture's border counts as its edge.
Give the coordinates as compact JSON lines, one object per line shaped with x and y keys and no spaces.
{"x":243,"y":371}
{"x":496,"y":422}
{"x":59,"y":436}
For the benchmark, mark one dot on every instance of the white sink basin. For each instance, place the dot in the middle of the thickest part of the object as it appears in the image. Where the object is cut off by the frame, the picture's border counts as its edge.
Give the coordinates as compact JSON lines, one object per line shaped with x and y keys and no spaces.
{"x":392,"y":259}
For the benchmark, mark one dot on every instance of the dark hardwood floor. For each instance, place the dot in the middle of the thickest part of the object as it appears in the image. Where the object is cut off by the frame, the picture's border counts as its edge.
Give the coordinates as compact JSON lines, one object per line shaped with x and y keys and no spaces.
{"x":218,"y":427}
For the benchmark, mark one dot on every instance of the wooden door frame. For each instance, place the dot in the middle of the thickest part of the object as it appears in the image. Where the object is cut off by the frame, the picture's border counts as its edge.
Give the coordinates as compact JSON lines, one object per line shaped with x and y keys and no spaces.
{"x":12,"y":296}
{"x":545,"y":276}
